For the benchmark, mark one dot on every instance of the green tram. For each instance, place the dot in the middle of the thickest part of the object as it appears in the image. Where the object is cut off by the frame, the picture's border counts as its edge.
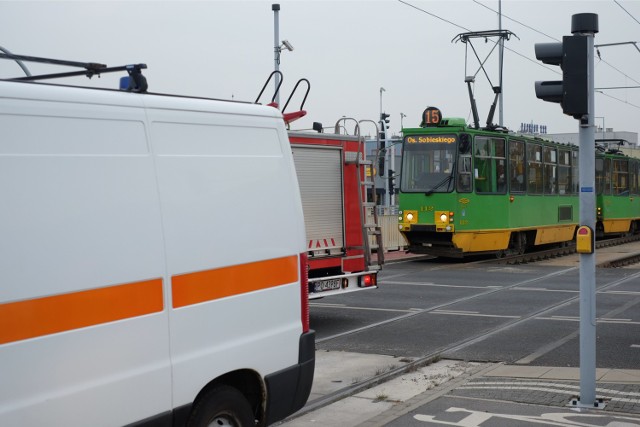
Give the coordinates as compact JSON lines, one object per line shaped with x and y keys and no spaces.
{"x":466,"y":190}
{"x":618,"y":193}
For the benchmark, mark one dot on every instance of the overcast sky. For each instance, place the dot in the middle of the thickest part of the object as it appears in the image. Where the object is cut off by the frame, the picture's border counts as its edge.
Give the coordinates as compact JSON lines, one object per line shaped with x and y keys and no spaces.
{"x":348,"y":50}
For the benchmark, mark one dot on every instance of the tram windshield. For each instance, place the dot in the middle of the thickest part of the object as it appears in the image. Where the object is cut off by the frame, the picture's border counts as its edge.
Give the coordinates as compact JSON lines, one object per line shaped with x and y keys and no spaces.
{"x":428,"y":163}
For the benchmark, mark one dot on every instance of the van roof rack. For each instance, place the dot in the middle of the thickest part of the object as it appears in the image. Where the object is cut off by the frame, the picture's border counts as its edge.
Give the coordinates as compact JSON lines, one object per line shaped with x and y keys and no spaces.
{"x":137,"y":82}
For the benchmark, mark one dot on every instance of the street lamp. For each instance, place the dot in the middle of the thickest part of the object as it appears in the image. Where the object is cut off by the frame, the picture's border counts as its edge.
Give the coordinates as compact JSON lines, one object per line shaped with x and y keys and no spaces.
{"x":381,"y":90}
{"x":278,"y":47}
{"x":402,"y":116}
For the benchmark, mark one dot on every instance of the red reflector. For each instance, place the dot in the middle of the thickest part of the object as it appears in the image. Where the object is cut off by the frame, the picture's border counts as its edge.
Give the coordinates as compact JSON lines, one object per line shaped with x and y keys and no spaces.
{"x":583,"y":230}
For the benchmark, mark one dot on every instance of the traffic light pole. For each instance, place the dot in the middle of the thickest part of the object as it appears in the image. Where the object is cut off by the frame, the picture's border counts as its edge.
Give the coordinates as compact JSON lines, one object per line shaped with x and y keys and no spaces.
{"x":575,"y":93}
{"x":587,"y":168}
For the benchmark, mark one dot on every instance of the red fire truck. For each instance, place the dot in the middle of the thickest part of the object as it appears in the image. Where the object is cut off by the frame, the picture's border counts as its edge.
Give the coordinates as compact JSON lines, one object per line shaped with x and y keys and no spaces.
{"x":341,"y":224}
{"x":334,"y":178}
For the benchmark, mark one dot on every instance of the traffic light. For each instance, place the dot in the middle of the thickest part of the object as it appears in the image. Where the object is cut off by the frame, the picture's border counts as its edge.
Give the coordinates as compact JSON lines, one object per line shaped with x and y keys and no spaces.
{"x":381,"y":163}
{"x":382,"y":137}
{"x":572,"y":92}
{"x":391,"y":182}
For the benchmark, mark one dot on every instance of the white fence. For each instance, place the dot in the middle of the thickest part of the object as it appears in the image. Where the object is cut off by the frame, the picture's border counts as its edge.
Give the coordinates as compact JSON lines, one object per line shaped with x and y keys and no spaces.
{"x":392,"y":239}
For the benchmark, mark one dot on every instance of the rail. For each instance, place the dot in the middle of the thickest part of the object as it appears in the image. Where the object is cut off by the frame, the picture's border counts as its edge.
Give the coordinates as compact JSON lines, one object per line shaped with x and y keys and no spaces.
{"x":566,"y":250}
{"x":454,"y":345}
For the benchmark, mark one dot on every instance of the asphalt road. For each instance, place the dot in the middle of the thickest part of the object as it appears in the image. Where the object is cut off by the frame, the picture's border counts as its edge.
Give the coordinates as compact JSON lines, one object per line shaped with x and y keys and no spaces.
{"x":484,"y":312}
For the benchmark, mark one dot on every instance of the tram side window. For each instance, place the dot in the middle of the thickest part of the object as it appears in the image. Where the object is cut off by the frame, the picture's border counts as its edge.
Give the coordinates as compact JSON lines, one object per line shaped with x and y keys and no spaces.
{"x":489,"y":165}
{"x":564,"y":172}
{"x":621,"y":177}
{"x":517,"y":167}
{"x":464,"y":174}
{"x":633,"y":176}
{"x":607,"y":176}
{"x":603,"y":175}
{"x":550,"y":170}
{"x":575,"y":179}
{"x":534,"y":169}
{"x":599,"y":175}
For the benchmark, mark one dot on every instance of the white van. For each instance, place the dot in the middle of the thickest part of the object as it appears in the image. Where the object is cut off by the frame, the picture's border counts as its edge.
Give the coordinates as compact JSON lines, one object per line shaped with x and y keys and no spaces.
{"x":152,"y":251}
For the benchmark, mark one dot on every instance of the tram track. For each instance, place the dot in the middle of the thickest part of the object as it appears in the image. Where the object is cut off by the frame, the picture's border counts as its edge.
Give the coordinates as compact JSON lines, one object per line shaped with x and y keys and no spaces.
{"x":444,"y":305}
{"x":569,"y":250}
{"x":433,"y":356}
{"x":430,"y":357}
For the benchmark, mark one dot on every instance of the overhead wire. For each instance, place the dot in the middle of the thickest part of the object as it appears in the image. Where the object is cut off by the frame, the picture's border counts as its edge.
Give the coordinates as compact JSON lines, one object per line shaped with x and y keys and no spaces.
{"x":618,"y":99}
{"x":632,"y":17}
{"x":556,"y":39}
{"x":468,"y":30}
{"x":537,"y":31}
{"x":433,"y":15}
{"x":516,"y":21}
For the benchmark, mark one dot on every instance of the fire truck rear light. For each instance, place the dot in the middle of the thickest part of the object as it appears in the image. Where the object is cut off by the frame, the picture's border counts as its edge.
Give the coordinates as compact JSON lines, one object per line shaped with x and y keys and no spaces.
{"x":345,"y":283}
{"x":367,"y":280}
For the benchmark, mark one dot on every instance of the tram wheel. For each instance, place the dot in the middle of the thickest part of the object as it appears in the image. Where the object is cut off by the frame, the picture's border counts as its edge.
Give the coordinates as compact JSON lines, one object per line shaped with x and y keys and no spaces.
{"x":517,"y":244}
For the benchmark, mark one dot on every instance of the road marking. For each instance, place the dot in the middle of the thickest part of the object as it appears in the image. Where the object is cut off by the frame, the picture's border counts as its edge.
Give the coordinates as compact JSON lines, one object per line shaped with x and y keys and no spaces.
{"x":471,"y":313}
{"x":555,"y":387}
{"x":621,"y":292}
{"x":360,"y":308}
{"x":598,"y":320}
{"x":524,"y":288}
{"x":437,"y":285}
{"x":474,"y":418}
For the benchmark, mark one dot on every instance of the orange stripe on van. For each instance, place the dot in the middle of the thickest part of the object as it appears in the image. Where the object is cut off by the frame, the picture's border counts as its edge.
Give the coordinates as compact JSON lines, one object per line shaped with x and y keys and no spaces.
{"x":32,"y":318}
{"x":202,"y":286}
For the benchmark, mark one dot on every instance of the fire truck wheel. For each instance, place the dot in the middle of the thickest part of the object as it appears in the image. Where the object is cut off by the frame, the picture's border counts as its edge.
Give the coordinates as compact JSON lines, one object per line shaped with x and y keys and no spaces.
{"x":222,"y":406}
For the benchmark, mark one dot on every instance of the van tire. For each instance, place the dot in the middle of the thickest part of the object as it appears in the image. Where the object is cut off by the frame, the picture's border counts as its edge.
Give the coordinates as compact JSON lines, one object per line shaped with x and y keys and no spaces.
{"x":222,"y":406}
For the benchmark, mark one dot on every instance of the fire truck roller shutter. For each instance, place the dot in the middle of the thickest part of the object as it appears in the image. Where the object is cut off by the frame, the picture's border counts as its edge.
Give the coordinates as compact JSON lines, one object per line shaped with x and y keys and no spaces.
{"x":319,"y":171}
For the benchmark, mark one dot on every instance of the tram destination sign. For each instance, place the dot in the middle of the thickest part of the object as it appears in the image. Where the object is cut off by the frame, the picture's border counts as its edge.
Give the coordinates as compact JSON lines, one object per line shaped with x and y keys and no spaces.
{"x":431,"y":139}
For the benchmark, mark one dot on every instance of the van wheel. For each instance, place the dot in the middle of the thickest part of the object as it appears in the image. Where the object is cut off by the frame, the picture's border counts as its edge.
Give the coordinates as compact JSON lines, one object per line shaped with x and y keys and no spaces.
{"x":222,"y":406}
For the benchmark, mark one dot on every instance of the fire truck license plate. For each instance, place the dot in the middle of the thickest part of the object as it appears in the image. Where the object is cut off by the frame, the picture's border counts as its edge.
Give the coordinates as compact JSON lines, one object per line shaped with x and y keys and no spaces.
{"x":327,"y":285}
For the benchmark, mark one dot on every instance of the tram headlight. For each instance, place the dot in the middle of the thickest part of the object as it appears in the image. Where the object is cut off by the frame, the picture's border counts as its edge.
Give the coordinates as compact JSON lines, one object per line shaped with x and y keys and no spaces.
{"x":409,"y":217}
{"x":444,"y":218}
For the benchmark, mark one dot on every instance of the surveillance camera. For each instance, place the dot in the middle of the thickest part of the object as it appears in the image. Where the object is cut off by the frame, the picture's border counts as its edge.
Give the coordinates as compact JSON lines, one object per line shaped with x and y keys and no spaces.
{"x":287,"y":45}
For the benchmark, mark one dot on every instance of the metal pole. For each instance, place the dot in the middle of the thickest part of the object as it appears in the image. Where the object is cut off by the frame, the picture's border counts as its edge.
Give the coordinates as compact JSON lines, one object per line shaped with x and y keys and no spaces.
{"x":501,"y":49}
{"x":19,"y":62}
{"x":392,"y":167}
{"x":386,"y":198}
{"x":276,"y":47}
{"x":586,"y":133}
